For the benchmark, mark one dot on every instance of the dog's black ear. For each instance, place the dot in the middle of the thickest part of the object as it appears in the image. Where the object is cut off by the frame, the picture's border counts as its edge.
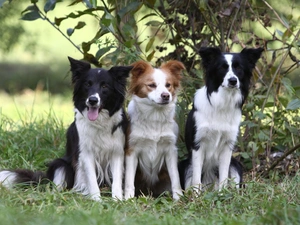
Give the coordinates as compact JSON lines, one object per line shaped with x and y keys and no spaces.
{"x":252,"y":55}
{"x":119,"y":74}
{"x":209,"y":55}
{"x":77,"y":67}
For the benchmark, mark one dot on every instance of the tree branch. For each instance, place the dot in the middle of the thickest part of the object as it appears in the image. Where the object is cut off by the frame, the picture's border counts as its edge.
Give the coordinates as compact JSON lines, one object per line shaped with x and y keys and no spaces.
{"x":290,"y":151}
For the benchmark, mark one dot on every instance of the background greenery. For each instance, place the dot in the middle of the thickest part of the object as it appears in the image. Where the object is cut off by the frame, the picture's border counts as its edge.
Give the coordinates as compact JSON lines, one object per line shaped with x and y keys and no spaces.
{"x":36,"y":107}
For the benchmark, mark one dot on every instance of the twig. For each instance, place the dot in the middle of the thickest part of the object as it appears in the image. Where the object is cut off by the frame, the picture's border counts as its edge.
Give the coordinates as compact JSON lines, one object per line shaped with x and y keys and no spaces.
{"x":53,"y":25}
{"x":290,"y":151}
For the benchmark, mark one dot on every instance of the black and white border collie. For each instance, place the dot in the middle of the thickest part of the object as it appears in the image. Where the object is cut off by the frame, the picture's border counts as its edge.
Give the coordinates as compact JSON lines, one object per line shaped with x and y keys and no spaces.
{"x":96,"y":138}
{"x":151,"y":157}
{"x":213,"y":123}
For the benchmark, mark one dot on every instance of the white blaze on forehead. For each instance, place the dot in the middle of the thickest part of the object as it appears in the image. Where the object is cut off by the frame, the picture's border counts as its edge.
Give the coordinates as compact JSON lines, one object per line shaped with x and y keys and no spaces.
{"x":99,"y":71}
{"x":230,"y":73}
{"x":228,"y":58}
{"x":159,"y":77}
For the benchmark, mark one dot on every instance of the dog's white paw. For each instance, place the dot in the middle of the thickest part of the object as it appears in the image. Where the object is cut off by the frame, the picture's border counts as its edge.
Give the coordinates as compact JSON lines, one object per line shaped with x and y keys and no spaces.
{"x":177,"y":194}
{"x":96,"y":197}
{"x":117,"y":195}
{"x":129,"y":193}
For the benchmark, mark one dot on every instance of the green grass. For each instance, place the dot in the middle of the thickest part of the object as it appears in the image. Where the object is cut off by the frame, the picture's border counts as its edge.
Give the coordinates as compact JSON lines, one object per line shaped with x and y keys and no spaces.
{"x":32,"y":141}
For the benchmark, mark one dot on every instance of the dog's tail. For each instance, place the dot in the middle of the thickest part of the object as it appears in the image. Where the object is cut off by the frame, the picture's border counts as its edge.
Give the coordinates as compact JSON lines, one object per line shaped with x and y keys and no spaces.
{"x":236,"y":172}
{"x":9,"y":178}
{"x":60,"y":172}
{"x":184,"y":167}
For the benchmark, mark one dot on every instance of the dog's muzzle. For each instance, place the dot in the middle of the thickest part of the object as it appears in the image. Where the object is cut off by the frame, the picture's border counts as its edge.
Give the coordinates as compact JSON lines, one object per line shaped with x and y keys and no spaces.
{"x":93,"y":107}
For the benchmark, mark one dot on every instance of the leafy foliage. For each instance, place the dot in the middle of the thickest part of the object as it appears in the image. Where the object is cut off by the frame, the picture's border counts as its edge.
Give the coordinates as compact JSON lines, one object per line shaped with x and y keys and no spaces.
{"x":157,"y":30}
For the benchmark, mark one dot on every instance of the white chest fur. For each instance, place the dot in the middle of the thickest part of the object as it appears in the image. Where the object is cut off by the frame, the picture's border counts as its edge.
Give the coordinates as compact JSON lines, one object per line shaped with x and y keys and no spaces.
{"x":96,"y":137}
{"x":153,"y":135}
{"x":217,"y":121}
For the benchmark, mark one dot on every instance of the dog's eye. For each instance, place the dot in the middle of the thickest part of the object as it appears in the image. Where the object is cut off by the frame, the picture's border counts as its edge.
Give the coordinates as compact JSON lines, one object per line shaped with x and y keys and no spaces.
{"x":168,"y":85}
{"x":225,"y":66}
{"x":89,"y":83}
{"x":152,"y":85}
{"x":236,"y":66}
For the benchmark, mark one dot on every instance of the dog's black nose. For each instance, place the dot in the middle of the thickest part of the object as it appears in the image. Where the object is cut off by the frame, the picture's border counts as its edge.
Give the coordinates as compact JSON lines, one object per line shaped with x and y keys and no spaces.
{"x":232,"y":81}
{"x":165,"y":96}
{"x":93,"y":100}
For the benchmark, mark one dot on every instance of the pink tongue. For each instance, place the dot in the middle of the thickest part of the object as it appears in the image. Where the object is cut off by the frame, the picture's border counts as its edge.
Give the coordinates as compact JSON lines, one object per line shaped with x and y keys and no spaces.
{"x":93,"y":113}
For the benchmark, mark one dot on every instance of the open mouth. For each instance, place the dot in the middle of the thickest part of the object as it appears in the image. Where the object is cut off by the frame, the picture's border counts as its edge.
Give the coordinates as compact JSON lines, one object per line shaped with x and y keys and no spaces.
{"x":93,"y":112}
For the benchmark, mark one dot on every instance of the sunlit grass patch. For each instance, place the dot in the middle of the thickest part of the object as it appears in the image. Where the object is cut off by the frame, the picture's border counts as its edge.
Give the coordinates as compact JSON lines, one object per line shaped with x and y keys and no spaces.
{"x":35,"y":105}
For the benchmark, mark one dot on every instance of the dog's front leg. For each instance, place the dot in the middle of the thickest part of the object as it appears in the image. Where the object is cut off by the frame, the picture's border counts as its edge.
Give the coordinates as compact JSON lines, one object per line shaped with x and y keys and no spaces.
{"x":131,"y":162}
{"x":224,"y":163}
{"x":89,"y":169}
{"x":117,"y":167}
{"x":197,"y":165}
{"x":171,"y":162}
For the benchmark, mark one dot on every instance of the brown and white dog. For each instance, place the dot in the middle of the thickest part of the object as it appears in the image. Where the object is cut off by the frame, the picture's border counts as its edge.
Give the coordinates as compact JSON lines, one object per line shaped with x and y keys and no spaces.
{"x":151,"y":156}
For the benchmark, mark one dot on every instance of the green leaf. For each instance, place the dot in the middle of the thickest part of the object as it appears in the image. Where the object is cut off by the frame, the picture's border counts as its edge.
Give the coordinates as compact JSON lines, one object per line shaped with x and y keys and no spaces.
{"x":252,"y":145}
{"x":75,"y":2}
{"x":294,"y":104}
{"x":108,"y":22}
{"x":150,"y":56}
{"x":70,"y":31}
{"x":79,"y":14}
{"x":245,"y":155}
{"x":129,"y":43}
{"x":279,"y":32}
{"x":86,"y":46}
{"x":260,"y":115}
{"x":285,"y":21}
{"x":102,"y":51}
{"x":130,"y":8}
{"x":29,"y":9}
{"x":32,"y":15}
{"x":148,"y":15}
{"x":149,"y":44}
{"x":262,"y":136}
{"x":288,"y":85}
{"x":58,"y":21}
{"x":80,"y":25}
{"x":149,"y":3}
{"x":50,"y":5}
{"x":88,"y":4}
{"x":154,"y":23}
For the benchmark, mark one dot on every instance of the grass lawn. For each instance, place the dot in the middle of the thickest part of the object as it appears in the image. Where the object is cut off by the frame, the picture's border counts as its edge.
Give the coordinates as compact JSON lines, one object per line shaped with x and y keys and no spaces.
{"x":33,"y":136}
